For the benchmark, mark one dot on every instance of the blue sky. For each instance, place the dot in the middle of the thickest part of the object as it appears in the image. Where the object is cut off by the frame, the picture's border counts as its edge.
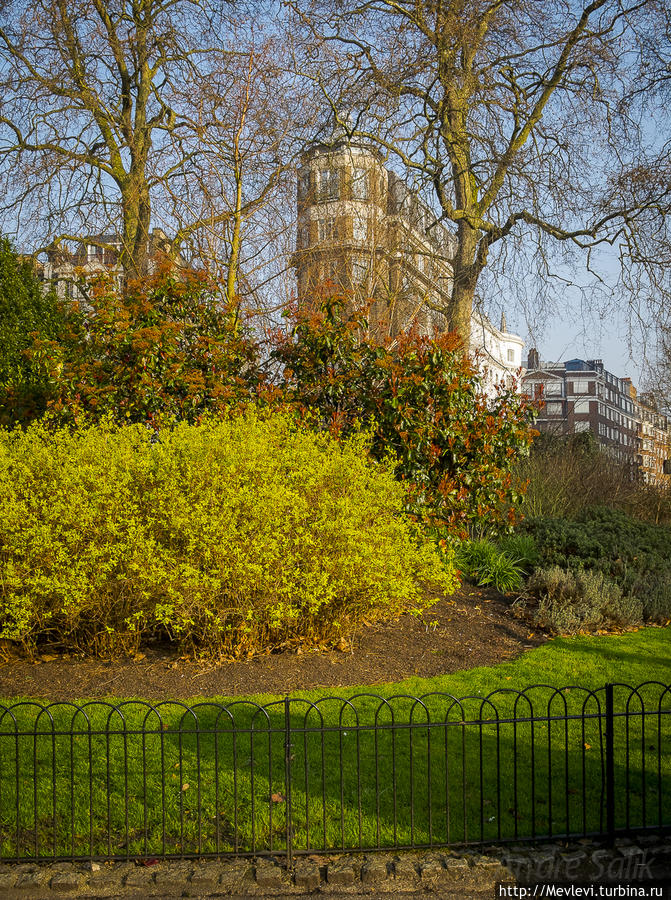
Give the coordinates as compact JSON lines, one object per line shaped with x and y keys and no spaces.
{"x":586,"y":335}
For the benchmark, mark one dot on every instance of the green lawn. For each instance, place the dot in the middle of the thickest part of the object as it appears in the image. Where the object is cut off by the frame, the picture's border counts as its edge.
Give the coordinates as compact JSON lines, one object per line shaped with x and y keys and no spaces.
{"x":145,"y":782}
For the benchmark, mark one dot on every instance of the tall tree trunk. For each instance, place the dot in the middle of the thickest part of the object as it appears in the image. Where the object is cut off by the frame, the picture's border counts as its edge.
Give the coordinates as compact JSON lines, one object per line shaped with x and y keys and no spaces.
{"x":136,"y":223}
{"x":234,"y":258}
{"x":465,"y":280}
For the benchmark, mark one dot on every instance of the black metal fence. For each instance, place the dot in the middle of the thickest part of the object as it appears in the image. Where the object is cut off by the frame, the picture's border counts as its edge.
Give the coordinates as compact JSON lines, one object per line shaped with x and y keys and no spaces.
{"x":136,"y":780}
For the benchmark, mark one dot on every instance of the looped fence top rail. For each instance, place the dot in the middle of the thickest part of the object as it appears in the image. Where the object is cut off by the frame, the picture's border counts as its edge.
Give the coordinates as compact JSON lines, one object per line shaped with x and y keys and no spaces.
{"x":363,"y":772}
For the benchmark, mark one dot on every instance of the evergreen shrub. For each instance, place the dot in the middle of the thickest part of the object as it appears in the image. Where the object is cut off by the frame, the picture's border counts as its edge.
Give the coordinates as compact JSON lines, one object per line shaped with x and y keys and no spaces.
{"x":634,"y":555}
{"x":423,"y":401}
{"x":230,"y":537}
{"x":29,"y":316}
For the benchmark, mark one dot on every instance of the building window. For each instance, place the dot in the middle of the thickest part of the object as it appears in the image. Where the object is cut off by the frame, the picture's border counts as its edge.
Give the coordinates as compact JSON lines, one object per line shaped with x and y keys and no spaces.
{"x":511,"y":356}
{"x":333,"y":271}
{"x":360,"y":228}
{"x":359,"y":184}
{"x":303,"y":185}
{"x":329,"y":184}
{"x":327,"y":230}
{"x":359,"y":270}
{"x":554,"y":408}
{"x":303,"y":236}
{"x":553,"y":388}
{"x":581,"y":386}
{"x":581,"y":425}
{"x":581,"y":406}
{"x":94,"y":254}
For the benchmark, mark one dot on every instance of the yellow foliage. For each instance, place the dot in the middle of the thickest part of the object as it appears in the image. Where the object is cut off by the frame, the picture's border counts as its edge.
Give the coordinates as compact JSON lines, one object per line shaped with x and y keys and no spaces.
{"x":229,"y":536}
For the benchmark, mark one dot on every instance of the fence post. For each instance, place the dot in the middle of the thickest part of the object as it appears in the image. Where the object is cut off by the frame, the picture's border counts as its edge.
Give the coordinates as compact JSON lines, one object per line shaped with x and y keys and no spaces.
{"x":610,"y":765}
{"x":287,"y":780}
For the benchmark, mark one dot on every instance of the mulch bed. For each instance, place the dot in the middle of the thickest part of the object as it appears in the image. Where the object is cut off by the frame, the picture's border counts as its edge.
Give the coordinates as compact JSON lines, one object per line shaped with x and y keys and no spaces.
{"x":473,"y":627}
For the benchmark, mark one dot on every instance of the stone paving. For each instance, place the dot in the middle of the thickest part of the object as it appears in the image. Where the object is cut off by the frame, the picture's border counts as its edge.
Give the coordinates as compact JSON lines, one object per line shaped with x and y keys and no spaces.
{"x":437,"y":873}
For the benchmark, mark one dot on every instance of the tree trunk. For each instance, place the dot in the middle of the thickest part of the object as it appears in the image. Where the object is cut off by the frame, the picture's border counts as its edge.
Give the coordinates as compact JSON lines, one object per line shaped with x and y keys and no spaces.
{"x":465,"y":279}
{"x":136,"y":222}
{"x":233,"y":261}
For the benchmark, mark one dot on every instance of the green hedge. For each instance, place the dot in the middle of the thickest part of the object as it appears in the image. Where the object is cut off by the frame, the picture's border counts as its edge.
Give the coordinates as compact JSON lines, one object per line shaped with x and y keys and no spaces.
{"x":634,"y":555}
{"x":229,"y":537}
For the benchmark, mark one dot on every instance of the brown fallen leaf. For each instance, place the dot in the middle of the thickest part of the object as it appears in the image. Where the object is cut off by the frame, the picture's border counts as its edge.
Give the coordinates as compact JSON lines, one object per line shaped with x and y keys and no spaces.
{"x":277,"y":798}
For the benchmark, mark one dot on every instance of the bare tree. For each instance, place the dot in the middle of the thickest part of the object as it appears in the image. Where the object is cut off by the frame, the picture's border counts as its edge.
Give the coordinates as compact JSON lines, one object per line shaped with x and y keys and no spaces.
{"x":121,"y":113}
{"x":239,"y":156}
{"x":521,"y":118}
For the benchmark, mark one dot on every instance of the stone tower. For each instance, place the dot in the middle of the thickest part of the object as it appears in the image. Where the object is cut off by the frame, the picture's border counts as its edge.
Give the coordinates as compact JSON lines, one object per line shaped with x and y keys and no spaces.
{"x":361,"y":230}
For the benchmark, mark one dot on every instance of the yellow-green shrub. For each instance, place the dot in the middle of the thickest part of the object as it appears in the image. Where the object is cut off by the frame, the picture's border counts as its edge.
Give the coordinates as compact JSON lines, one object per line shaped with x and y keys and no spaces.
{"x":228,"y":536}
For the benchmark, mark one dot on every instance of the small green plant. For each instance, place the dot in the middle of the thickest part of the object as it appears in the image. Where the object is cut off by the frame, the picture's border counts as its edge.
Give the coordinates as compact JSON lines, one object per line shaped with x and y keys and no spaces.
{"x":522,"y":548}
{"x":485,"y":564}
{"x":570,"y":602}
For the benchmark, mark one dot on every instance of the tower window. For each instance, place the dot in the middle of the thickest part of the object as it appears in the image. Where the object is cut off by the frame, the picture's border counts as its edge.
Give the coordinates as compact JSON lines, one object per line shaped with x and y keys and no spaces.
{"x":359,"y":228}
{"x":327,"y":230}
{"x":329,"y":184}
{"x":303,"y":185}
{"x":333,"y":271}
{"x":359,"y":270}
{"x":359,"y":184}
{"x":303,"y":236}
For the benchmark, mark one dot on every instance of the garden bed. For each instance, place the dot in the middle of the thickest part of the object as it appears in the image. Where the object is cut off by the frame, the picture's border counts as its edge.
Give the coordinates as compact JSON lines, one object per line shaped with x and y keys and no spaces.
{"x":473,"y":627}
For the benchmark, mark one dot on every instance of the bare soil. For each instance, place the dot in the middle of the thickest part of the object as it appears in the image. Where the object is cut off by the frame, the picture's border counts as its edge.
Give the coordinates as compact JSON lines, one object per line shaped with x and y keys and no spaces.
{"x":473,"y":627}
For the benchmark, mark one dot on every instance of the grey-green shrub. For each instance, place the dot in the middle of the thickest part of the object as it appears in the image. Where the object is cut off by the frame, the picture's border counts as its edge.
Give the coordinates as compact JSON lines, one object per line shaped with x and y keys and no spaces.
{"x":573,"y":601}
{"x":635,"y":555}
{"x":229,"y":536}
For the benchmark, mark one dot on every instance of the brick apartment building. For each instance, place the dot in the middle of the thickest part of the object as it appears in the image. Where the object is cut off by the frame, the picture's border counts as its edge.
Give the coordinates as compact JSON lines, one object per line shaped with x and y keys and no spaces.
{"x":581,"y":395}
{"x":362,"y":229}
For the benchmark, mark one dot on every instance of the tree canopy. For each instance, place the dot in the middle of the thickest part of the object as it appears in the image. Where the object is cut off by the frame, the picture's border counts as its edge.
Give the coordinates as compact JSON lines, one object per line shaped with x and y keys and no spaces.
{"x":120,"y":114}
{"x":528,"y":124}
